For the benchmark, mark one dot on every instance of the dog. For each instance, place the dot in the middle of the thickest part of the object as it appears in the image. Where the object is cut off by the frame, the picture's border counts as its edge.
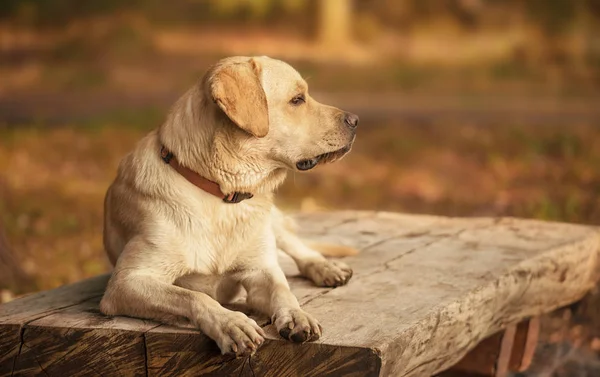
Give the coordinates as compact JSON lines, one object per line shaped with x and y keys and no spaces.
{"x":190,"y":222}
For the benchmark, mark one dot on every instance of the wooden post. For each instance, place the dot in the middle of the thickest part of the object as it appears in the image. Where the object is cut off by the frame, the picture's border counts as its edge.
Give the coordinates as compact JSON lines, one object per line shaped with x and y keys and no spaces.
{"x":526,"y":339}
{"x":510,"y":350}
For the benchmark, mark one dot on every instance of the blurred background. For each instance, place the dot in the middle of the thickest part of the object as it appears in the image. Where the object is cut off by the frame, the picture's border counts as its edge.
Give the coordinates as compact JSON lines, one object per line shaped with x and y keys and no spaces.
{"x":468,"y":108}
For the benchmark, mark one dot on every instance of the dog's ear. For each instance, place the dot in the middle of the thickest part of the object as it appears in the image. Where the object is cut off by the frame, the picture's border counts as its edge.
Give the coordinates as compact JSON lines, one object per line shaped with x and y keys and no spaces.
{"x":236,"y":89}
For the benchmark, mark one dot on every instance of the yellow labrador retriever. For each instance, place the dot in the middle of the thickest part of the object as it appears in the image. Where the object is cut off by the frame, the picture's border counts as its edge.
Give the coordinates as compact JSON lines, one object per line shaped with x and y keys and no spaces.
{"x":190,"y":220}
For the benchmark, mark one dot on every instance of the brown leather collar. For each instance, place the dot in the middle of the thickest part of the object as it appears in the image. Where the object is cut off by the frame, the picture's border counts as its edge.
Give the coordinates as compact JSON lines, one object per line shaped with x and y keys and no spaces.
{"x":201,"y":182}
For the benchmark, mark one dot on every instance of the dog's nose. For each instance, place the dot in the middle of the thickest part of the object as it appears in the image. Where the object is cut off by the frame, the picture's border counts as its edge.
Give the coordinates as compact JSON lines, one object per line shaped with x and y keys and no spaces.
{"x":351,"y":120}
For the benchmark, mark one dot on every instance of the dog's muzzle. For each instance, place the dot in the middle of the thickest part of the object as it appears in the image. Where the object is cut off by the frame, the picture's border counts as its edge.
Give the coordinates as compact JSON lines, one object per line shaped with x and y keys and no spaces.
{"x":310,"y":163}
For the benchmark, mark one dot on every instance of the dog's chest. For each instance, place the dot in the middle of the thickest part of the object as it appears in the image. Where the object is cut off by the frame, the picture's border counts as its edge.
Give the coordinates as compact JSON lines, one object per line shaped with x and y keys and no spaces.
{"x":227,"y":237}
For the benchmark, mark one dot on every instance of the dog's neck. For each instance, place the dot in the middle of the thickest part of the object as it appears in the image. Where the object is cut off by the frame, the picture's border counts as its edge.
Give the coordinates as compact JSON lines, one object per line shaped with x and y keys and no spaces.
{"x":193,"y":134}
{"x":199,"y":181}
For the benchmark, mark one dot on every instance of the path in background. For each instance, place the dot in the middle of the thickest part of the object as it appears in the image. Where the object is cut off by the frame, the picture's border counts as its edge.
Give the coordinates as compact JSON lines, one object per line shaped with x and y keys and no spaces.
{"x":53,"y":108}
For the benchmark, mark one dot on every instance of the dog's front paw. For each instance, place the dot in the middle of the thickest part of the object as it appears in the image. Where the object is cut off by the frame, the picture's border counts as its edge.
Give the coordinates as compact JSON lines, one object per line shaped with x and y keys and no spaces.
{"x":327,"y":273}
{"x":297,"y":325}
{"x":237,"y":334}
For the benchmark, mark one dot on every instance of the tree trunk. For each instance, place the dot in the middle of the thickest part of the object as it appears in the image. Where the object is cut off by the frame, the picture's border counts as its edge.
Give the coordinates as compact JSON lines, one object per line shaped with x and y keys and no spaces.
{"x":334,"y":22}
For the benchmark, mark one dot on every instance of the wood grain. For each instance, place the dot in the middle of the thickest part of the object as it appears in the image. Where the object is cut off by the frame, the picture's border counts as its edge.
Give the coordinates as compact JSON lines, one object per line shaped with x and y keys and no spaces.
{"x":188,"y":353}
{"x":15,"y":315}
{"x":425,"y":291}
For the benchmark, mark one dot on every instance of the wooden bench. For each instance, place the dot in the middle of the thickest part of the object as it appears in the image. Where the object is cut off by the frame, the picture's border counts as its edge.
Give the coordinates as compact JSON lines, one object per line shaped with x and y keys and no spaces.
{"x":426,"y":290}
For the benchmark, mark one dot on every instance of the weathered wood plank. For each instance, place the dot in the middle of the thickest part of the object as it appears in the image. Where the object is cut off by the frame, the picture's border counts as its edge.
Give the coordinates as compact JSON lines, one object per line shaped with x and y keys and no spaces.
{"x":16,"y":314}
{"x":78,"y":341}
{"x":41,"y":304}
{"x":425,"y":291}
{"x":189,"y":353}
{"x":436,"y":295}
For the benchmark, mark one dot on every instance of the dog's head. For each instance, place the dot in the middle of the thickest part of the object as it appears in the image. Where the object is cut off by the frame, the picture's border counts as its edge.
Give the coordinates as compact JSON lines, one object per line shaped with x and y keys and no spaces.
{"x":266,"y":104}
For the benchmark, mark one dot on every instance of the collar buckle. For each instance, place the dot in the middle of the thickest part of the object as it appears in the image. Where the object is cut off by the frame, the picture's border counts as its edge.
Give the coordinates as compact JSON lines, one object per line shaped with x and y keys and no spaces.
{"x":237,"y":197}
{"x":166,"y":155}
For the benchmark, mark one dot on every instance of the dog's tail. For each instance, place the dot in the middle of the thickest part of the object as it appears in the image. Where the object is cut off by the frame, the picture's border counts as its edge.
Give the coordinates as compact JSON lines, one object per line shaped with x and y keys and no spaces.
{"x":332,"y":250}
{"x":323,"y":248}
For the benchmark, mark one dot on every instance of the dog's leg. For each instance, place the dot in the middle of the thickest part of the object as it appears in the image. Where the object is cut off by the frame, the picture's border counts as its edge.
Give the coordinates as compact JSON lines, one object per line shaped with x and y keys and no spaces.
{"x":224,"y":289}
{"x":269,"y":293}
{"x":149,"y":293}
{"x":312,"y":264}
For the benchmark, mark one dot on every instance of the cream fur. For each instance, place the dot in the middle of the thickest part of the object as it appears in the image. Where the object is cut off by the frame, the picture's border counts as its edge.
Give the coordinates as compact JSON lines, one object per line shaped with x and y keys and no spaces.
{"x":179,"y":252}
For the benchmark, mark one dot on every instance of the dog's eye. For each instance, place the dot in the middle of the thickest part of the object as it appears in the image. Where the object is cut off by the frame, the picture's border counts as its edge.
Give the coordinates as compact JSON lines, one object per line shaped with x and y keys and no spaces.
{"x":298,"y":100}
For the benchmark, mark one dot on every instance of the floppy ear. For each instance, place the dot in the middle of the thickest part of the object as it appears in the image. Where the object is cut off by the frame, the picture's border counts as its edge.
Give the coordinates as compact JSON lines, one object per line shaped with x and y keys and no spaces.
{"x":236,"y":89}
